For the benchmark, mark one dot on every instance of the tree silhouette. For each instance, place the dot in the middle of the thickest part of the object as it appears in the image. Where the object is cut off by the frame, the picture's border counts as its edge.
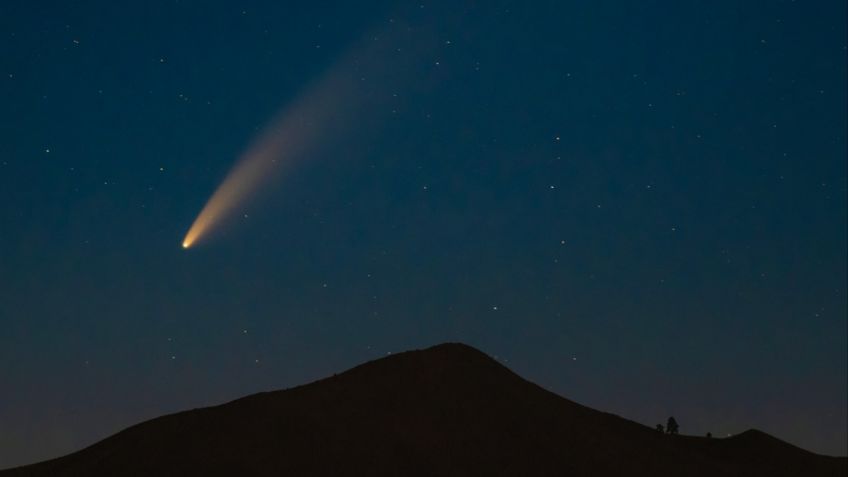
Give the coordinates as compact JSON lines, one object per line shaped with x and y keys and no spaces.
{"x":660,"y":428}
{"x":671,"y":426}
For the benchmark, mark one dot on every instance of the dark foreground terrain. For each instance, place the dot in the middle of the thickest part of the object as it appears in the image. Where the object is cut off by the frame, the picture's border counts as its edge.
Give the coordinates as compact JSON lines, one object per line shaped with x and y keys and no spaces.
{"x":449,"y":410}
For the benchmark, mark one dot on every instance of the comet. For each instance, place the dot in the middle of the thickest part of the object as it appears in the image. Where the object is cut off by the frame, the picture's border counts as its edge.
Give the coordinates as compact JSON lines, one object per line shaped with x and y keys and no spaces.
{"x":285,"y":140}
{"x":341,"y":97}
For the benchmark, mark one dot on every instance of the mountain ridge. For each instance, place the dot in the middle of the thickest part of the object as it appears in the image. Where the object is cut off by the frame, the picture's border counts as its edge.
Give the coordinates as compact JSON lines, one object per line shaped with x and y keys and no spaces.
{"x":445,"y":410}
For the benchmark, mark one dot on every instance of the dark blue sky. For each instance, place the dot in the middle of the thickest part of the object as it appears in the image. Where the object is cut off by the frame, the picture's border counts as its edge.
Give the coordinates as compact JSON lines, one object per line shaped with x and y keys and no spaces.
{"x":638,"y":205}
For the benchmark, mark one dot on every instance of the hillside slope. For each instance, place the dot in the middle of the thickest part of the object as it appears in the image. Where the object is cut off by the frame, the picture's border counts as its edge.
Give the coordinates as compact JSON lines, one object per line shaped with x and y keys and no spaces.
{"x":449,"y":410}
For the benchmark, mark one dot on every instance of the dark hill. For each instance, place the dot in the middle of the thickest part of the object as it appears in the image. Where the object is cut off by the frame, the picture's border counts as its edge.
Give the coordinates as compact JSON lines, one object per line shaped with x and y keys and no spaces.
{"x":449,"y":410}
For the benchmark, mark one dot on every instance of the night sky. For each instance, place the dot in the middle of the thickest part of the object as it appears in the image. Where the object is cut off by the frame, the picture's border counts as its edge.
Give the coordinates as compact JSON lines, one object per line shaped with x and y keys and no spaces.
{"x":638,"y":205}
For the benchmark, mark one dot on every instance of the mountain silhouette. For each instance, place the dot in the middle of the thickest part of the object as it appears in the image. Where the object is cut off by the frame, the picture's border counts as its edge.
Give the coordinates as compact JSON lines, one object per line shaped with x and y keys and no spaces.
{"x":449,"y":410}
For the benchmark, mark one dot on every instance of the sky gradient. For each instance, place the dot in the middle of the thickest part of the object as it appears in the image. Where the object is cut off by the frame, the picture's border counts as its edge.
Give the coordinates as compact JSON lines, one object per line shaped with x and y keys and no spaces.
{"x":640,"y":206}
